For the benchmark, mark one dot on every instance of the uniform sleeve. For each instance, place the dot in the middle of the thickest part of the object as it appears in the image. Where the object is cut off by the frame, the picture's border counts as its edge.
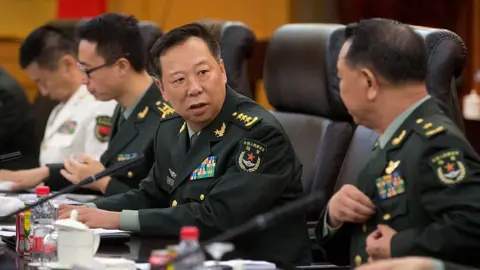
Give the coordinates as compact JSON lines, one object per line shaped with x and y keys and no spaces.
{"x":98,"y":128}
{"x":147,"y":196}
{"x":243,"y":191}
{"x":448,"y":185}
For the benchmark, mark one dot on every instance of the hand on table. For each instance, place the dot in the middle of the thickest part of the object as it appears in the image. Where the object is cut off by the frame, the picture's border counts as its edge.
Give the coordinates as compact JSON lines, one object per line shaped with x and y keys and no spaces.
{"x":25,"y":179}
{"x":92,"y":217}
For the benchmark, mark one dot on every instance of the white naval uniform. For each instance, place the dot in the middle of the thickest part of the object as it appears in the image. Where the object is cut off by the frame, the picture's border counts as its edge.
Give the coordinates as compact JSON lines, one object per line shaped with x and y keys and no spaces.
{"x":72,"y":128}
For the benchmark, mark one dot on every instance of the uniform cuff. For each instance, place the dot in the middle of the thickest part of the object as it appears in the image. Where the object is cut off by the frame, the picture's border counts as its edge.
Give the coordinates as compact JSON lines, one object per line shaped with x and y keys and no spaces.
{"x":327,"y":229}
{"x":129,"y":221}
{"x":438,"y":265}
{"x":91,"y":205}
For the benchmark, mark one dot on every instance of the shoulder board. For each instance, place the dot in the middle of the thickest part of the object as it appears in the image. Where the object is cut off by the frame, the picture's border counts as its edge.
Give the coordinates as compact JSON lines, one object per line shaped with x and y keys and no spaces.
{"x":245,"y":120}
{"x":429,"y":129}
{"x":165,"y":110}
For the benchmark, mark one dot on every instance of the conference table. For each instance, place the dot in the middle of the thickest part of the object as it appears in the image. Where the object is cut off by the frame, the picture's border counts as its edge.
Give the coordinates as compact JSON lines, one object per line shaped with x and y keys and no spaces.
{"x":136,"y":248}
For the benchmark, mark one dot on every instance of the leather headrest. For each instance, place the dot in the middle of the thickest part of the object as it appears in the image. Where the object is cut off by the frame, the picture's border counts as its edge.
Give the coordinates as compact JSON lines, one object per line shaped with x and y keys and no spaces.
{"x":441,"y":41}
{"x":297,"y":77}
{"x":150,"y":33}
{"x":237,"y":42}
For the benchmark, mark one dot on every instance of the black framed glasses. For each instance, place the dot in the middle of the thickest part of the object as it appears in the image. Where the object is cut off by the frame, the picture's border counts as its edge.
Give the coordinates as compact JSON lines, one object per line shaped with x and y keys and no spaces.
{"x":89,"y":71}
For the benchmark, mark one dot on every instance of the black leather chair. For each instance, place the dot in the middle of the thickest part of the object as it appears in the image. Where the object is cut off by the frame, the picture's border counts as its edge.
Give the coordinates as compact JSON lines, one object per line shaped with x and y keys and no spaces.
{"x":150,"y":33}
{"x":298,"y":84}
{"x":237,"y":42}
{"x":446,"y":63}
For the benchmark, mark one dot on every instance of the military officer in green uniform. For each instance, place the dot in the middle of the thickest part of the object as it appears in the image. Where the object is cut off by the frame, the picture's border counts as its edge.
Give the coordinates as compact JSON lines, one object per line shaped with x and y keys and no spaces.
{"x":221,"y":159}
{"x":112,"y":55}
{"x":418,"y":193}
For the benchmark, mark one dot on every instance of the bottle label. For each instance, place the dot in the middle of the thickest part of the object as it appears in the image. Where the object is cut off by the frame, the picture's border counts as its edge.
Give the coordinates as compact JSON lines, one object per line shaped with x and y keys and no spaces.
{"x":37,"y":244}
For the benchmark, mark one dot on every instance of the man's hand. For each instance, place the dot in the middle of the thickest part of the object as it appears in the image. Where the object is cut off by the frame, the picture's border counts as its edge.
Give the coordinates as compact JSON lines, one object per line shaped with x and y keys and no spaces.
{"x":77,"y":169}
{"x":410,"y":263}
{"x":349,"y":205}
{"x":92,"y":217}
{"x":25,"y":179}
{"x":378,"y":243}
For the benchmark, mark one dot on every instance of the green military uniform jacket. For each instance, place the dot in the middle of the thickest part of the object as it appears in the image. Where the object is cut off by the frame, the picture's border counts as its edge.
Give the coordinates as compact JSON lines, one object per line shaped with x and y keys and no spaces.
{"x":134,"y":137}
{"x":241,"y":165}
{"x":425,"y":184}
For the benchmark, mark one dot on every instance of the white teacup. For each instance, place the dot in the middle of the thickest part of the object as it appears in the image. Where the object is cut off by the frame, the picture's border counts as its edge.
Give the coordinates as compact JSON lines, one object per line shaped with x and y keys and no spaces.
{"x":77,"y":247}
{"x":76,"y":243}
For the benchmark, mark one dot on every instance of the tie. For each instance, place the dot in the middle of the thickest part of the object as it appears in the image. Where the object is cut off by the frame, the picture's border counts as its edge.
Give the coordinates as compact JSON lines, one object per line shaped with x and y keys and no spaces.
{"x":121,"y":120}
{"x":193,"y":139}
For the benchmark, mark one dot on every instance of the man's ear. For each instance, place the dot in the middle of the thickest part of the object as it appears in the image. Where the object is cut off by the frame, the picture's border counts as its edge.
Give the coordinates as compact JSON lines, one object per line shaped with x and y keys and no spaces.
{"x":371,"y":82}
{"x":223,"y":71}
{"x":159,"y":83}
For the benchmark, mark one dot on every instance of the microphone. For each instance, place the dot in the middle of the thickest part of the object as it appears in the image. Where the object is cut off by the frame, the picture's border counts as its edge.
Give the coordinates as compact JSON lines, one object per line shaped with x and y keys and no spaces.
{"x":259,"y":222}
{"x":10,"y":156}
{"x":108,"y":171}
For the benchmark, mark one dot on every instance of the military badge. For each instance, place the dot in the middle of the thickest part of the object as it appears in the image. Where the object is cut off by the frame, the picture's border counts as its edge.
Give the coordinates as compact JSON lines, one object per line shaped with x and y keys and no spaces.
{"x":68,"y":127}
{"x":390,"y":185}
{"x":250,"y":155}
{"x":206,"y":169}
{"x":392,"y":166}
{"x":123,"y":157}
{"x":449,"y":166}
{"x":103,"y":127}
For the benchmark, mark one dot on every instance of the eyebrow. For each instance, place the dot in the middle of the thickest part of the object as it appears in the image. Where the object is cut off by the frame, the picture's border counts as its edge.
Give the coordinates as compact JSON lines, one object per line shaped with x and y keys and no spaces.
{"x":203,"y":62}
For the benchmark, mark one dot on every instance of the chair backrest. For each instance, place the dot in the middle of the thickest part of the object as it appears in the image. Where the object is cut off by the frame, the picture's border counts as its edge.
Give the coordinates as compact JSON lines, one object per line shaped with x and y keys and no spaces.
{"x":447,"y":54}
{"x":237,"y":42}
{"x":297,"y":83}
{"x":150,"y":33}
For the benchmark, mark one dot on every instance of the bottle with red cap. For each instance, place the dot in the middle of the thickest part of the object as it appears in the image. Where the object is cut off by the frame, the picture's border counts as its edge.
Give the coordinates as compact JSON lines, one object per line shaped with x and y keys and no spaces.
{"x":189,"y":243}
{"x":42,"y":218}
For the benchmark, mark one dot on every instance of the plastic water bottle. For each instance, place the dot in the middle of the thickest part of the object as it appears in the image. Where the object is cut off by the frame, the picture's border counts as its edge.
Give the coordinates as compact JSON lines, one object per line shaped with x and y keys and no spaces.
{"x":42,"y":218}
{"x":188,"y":243}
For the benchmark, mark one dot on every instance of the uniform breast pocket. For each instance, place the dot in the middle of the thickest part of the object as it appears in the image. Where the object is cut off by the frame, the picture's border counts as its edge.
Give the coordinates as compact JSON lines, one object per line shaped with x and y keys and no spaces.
{"x":394,"y":212}
{"x":63,"y":140}
{"x":197,"y":190}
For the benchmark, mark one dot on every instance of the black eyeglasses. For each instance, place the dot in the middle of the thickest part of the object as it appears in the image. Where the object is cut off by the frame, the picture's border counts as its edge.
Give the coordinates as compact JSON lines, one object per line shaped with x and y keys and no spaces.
{"x":89,"y":71}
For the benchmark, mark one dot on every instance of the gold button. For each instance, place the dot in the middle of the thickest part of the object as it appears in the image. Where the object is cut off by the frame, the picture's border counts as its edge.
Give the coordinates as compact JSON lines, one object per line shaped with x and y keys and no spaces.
{"x":158,"y":103}
{"x":364,"y":228}
{"x":130,"y":174}
{"x":202,"y":197}
{"x":386,"y":217}
{"x":419,"y":120}
{"x":358,"y":260}
{"x":174,"y":203}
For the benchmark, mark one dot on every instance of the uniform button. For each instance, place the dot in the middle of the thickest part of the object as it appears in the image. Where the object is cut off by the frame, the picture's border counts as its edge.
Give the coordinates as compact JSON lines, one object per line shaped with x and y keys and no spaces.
{"x":364,"y":228}
{"x":358,"y":260}
{"x":174,"y":203}
{"x":202,"y":197}
{"x":386,"y":217}
{"x":419,"y":120}
{"x":158,"y":103}
{"x":130,"y":174}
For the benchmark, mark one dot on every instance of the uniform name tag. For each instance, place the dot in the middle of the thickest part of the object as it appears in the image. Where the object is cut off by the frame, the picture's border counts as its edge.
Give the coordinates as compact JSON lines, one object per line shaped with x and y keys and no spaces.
{"x":390,"y":185}
{"x":205,"y":169}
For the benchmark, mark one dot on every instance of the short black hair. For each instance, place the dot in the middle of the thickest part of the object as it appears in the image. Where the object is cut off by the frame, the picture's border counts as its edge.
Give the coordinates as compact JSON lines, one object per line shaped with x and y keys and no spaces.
{"x":391,"y":49}
{"x":46,"y":45}
{"x":178,"y":36}
{"x":150,"y":33}
{"x":117,"y":36}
